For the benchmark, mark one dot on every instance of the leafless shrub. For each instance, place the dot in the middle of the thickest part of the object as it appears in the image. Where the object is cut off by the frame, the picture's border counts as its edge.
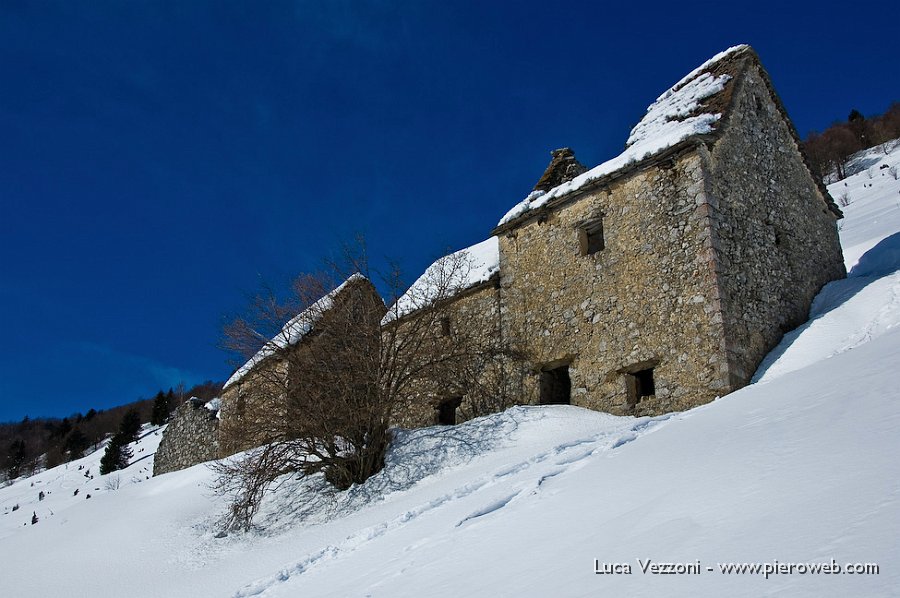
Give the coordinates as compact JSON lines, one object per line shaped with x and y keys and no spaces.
{"x":325,"y":388}
{"x":112,"y":483}
{"x":844,"y":199}
{"x":893,"y":172}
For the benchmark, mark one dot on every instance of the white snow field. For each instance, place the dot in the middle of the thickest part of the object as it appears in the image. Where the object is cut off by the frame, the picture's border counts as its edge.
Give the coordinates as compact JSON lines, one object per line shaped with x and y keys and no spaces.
{"x":799,"y":468}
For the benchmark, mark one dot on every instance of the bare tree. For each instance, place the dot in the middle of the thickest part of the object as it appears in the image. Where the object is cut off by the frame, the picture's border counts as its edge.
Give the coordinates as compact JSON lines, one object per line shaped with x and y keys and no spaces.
{"x":320,"y":395}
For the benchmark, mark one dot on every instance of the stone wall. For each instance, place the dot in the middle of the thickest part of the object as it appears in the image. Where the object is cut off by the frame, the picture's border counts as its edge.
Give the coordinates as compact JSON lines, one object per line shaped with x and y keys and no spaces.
{"x":776,"y":240}
{"x":252,"y":408}
{"x":643,"y":301}
{"x":469,"y":326}
{"x":190,"y":438}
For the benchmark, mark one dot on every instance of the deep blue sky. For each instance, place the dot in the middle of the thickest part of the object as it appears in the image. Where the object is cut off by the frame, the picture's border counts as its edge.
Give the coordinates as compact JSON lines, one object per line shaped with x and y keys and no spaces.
{"x":158,"y":160}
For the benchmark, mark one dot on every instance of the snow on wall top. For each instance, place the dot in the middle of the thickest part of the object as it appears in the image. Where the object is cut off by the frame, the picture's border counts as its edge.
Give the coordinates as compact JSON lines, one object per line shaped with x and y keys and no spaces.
{"x":672,"y":118}
{"x":296,"y":328}
{"x":449,"y":276}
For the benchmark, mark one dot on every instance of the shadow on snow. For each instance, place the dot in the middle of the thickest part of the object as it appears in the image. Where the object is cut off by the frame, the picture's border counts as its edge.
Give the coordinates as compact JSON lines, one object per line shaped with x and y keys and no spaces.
{"x":880,"y":261}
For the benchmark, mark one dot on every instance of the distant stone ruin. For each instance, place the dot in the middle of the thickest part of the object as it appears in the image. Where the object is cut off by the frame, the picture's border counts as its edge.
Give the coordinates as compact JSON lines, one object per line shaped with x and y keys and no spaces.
{"x":192,"y":437}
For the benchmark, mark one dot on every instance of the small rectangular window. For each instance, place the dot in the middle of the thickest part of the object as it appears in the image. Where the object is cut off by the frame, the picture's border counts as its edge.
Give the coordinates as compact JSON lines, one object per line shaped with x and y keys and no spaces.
{"x":645,"y":384}
{"x":445,"y":326}
{"x":638,"y":385}
{"x":590,"y":237}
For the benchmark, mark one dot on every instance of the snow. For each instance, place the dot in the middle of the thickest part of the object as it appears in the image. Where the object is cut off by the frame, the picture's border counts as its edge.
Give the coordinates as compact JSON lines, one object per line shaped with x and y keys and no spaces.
{"x":449,"y":276}
{"x":799,"y":468}
{"x":873,"y":197}
{"x":292,"y":332}
{"x":60,"y":483}
{"x":672,"y":118}
{"x":214,"y":405}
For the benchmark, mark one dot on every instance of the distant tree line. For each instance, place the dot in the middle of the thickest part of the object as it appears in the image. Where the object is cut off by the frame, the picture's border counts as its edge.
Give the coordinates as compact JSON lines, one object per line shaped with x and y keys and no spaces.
{"x":32,"y":444}
{"x":828,"y":152}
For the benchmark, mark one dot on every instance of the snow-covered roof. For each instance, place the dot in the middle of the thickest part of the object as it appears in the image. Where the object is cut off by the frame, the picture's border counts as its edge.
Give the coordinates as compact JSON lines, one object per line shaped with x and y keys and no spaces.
{"x":296,"y":328}
{"x":678,"y":114}
{"x":449,"y":276}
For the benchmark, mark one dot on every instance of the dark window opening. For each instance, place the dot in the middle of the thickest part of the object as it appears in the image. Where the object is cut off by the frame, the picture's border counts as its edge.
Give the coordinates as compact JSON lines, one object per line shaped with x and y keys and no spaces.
{"x":556,"y":387}
{"x":445,"y":326}
{"x":446,"y":411}
{"x":640,"y":384}
{"x":645,"y":386}
{"x":591,"y":238}
{"x":241,"y":406}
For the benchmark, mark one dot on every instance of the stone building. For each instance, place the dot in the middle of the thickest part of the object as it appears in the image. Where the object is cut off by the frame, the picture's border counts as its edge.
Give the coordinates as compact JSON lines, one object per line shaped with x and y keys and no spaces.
{"x":658,"y":280}
{"x":653,"y":282}
{"x":252,"y":399}
{"x":453,"y":311}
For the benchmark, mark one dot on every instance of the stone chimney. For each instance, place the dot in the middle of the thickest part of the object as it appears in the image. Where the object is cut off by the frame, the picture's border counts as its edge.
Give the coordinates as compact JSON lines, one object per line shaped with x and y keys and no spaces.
{"x":563,"y":168}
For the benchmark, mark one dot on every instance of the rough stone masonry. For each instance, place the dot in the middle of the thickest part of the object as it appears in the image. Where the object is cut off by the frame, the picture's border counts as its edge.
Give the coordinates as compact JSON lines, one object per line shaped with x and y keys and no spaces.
{"x":662,"y":284}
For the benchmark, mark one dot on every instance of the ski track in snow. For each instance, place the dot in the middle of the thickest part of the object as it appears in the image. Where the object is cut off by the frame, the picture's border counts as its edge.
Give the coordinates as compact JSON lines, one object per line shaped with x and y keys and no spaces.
{"x":561,"y":459}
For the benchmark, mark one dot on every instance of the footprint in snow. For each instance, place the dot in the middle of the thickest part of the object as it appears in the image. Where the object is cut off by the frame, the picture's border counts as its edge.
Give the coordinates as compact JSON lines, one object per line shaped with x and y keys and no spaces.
{"x":491,"y":508}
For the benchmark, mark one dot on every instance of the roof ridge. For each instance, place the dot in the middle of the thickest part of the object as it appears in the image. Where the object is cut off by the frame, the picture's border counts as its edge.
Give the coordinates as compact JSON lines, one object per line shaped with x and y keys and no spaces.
{"x":684,"y":111}
{"x":295,"y":329}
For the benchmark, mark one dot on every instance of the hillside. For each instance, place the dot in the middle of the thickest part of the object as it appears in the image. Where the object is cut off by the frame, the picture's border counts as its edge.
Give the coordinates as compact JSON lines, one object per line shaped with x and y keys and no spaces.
{"x":799,"y":467}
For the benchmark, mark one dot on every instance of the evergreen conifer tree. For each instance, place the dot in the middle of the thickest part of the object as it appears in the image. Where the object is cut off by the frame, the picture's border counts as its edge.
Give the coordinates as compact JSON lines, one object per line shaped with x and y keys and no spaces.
{"x":15,"y":459}
{"x":161,"y":409}
{"x":117,"y":454}
{"x":111,"y":456}
{"x":130,"y":426}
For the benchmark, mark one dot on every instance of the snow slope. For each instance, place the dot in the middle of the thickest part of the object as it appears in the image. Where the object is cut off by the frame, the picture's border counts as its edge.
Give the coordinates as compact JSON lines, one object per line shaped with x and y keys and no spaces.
{"x":799,"y":468}
{"x":60,"y":483}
